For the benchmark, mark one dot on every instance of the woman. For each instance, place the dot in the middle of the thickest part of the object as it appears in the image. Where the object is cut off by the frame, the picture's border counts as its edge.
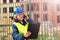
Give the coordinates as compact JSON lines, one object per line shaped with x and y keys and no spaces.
{"x":20,"y":26}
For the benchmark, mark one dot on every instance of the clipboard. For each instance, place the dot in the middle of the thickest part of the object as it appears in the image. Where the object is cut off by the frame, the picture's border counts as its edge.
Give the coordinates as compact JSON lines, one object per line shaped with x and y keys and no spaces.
{"x":34,"y":29}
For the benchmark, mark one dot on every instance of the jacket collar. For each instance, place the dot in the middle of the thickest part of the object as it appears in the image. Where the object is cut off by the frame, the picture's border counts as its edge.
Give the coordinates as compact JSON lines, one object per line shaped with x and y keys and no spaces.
{"x":24,"y":22}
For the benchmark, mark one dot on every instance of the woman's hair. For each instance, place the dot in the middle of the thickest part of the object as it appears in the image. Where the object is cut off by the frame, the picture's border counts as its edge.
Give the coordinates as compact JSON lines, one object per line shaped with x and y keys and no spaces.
{"x":15,"y":16}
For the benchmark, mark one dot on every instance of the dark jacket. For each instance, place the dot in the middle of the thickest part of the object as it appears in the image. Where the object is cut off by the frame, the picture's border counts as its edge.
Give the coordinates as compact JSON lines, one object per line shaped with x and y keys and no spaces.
{"x":15,"y":33}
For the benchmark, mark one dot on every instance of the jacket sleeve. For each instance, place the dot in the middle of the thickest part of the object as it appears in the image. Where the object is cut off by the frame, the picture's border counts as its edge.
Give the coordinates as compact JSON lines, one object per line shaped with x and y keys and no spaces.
{"x":15,"y":33}
{"x":30,"y":20}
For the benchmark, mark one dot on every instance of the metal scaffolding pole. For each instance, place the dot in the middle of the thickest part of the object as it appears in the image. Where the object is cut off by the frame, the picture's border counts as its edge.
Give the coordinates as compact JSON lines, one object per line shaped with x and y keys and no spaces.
{"x":30,"y":8}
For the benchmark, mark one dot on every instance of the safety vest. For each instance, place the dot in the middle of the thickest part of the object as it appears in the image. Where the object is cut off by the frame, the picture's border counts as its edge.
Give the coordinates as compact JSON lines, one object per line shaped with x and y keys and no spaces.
{"x":21,"y":28}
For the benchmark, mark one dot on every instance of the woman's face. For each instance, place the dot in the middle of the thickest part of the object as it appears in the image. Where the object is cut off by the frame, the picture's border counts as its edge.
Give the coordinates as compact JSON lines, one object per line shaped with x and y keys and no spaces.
{"x":20,"y":16}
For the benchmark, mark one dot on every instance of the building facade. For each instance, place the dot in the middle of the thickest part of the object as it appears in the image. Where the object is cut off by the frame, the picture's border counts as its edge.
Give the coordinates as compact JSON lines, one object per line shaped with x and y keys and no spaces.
{"x":41,"y":10}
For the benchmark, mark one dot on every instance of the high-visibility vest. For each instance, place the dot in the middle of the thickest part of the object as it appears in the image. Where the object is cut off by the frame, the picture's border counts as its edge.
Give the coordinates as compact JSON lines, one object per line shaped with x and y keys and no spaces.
{"x":21,"y":28}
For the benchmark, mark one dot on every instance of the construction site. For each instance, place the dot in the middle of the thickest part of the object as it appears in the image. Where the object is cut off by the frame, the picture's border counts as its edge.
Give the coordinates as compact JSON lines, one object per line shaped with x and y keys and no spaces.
{"x":46,"y":12}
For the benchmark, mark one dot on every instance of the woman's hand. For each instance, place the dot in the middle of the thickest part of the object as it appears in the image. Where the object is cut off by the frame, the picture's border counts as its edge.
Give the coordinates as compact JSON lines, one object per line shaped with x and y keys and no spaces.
{"x":27,"y":34}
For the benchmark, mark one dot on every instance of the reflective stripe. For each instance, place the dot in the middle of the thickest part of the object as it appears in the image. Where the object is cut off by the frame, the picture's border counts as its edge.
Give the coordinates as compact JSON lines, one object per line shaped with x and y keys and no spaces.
{"x":10,"y":28}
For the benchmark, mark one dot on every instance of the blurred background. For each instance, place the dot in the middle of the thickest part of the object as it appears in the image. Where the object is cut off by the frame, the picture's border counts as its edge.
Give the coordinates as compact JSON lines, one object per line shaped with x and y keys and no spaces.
{"x":46,"y":12}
